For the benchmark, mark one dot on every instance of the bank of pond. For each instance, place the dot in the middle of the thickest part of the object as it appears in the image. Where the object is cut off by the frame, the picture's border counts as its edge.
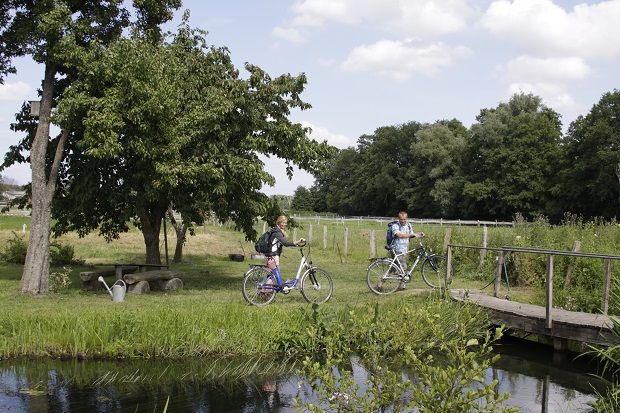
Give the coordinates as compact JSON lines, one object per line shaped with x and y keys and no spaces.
{"x":536,"y":379}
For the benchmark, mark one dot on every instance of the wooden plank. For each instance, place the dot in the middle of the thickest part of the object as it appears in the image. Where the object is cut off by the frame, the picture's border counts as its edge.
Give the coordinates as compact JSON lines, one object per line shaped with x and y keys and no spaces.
{"x":571,"y":325}
{"x":153,"y":276}
{"x":93,"y":275}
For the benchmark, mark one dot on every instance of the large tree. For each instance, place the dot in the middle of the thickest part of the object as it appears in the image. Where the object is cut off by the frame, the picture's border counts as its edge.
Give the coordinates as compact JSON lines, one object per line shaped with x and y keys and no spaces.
{"x":434,"y":182}
{"x":173,"y":124}
{"x":54,"y":33}
{"x":591,"y":162}
{"x":512,"y":157}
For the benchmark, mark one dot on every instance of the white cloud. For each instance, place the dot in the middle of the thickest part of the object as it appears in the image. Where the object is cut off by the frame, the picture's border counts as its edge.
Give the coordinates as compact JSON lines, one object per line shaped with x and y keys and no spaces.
{"x":397,"y":17}
{"x":292,"y":35}
{"x":400,"y":60}
{"x":545,"y":69}
{"x":544,"y":28}
{"x":18,"y":91}
{"x":321,"y":134}
{"x":554,"y":95}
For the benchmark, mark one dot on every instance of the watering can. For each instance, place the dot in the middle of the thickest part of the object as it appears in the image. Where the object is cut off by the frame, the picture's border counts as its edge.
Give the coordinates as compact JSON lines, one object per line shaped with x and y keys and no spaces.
{"x":118,"y":289}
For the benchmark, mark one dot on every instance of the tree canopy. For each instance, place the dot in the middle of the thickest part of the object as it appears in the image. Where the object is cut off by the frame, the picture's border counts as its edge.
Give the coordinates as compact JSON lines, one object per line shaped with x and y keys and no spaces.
{"x":173,"y":124}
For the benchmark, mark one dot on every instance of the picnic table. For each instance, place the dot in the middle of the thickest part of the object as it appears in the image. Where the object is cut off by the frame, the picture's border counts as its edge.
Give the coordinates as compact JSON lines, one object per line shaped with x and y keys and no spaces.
{"x":118,"y":268}
{"x":138,"y":277}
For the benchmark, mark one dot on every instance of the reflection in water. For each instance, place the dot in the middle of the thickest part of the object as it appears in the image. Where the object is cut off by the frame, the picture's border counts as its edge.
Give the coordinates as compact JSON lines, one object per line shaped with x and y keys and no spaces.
{"x":536,"y":382}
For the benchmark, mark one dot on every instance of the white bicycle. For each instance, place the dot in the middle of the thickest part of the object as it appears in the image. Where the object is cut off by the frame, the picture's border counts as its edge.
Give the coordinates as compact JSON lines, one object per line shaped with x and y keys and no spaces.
{"x":260,"y":285}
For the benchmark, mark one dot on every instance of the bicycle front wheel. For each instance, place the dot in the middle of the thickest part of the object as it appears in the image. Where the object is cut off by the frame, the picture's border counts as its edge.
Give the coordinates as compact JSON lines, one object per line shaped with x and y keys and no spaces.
{"x":382,"y":277}
{"x":316,"y":286}
{"x":257,"y":288}
{"x":434,"y":271}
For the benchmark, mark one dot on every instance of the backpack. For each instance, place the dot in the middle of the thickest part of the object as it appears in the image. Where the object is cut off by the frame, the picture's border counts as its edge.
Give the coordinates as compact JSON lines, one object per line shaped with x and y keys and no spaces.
{"x":389,"y":237}
{"x":263,"y":244}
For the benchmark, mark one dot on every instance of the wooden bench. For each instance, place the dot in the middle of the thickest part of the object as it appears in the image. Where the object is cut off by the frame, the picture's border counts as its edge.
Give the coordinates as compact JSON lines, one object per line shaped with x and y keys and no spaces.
{"x":140,"y":282}
{"x":137,"y":282}
{"x":90,"y":279}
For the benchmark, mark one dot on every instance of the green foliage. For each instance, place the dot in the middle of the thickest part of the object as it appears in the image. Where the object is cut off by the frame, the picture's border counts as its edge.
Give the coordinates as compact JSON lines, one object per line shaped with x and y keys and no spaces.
{"x":443,"y":371}
{"x":609,"y":402}
{"x":588,"y":183}
{"x":15,"y":249}
{"x":302,"y":199}
{"x":172,"y":124}
{"x":63,"y":254}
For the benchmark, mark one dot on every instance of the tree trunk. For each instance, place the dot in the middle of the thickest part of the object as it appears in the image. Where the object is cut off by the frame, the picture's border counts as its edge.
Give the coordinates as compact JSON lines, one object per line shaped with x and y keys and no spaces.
{"x":35,"y":277}
{"x":181,"y":231}
{"x":151,"y":220}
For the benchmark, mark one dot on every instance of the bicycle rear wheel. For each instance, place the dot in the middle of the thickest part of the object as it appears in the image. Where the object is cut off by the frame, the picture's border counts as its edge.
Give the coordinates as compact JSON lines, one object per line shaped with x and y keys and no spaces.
{"x":257,"y":288}
{"x":382,"y":277}
{"x":316,"y":286}
{"x":434,"y":271}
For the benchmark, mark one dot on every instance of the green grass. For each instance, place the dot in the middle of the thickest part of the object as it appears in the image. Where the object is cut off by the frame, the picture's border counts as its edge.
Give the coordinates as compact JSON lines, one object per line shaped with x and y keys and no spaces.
{"x":209,"y":315}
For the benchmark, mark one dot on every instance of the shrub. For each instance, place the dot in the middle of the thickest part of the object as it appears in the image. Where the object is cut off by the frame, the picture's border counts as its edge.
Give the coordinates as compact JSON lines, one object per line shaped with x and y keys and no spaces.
{"x":15,"y":250}
{"x":63,"y":255}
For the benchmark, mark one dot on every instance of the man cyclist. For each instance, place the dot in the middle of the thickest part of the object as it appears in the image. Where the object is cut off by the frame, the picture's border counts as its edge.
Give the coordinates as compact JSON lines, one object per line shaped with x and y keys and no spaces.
{"x":401,"y":233}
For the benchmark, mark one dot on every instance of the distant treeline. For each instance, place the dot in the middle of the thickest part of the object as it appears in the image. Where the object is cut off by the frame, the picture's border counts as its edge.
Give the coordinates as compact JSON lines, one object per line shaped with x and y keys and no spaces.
{"x":515,"y":160}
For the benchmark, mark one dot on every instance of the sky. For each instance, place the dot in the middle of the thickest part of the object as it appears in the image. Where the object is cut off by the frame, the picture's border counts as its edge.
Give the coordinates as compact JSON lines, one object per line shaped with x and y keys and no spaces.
{"x":375,"y":63}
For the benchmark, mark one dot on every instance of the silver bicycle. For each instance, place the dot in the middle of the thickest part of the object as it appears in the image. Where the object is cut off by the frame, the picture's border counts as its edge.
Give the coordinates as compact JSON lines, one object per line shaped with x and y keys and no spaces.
{"x":384,"y":275}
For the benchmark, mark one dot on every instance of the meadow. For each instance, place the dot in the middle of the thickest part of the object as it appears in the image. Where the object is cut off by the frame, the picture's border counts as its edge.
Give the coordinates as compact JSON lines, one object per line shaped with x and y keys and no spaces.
{"x":210,"y":316}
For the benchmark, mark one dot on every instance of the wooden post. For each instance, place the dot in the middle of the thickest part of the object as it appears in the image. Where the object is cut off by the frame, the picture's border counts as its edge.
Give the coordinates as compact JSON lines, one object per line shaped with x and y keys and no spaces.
{"x":264,"y":227}
{"x":483,"y":251}
{"x":448,"y":265}
{"x":549,"y":300}
{"x":606,"y":285}
{"x":498,"y":274}
{"x":373,"y":248}
{"x":446,"y":239}
{"x":324,"y":237}
{"x":571,"y":265}
{"x":310,"y":234}
{"x":294,"y":234}
{"x":346,"y":241}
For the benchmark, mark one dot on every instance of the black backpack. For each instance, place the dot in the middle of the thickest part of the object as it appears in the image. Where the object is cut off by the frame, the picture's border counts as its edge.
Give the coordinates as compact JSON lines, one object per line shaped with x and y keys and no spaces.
{"x":263,"y":244}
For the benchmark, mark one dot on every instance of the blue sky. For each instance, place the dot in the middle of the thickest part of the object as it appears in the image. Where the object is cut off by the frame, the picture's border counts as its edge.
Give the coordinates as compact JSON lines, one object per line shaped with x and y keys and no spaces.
{"x":373,"y":63}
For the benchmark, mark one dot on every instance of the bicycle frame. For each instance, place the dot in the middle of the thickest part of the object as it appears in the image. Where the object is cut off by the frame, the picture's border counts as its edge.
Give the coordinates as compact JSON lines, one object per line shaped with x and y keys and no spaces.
{"x":396,"y":262}
{"x":285,"y":286}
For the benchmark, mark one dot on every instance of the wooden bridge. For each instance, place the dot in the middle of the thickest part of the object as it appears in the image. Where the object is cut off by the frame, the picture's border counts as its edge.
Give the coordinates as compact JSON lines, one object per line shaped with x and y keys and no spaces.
{"x":561,"y":325}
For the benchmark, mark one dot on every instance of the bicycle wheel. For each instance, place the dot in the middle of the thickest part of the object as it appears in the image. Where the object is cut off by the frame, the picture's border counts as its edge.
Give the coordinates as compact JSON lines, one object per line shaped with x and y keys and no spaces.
{"x":316,"y":286}
{"x":256,"y":290}
{"x":382,"y":277}
{"x":434,"y":271}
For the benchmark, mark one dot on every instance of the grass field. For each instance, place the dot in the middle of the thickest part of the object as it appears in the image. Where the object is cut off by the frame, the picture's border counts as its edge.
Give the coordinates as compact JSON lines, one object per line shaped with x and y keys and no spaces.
{"x":209,"y":314}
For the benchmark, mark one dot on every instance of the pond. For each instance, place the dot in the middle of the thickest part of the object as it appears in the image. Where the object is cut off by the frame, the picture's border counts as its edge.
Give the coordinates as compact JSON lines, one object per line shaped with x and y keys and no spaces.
{"x":537,"y":379}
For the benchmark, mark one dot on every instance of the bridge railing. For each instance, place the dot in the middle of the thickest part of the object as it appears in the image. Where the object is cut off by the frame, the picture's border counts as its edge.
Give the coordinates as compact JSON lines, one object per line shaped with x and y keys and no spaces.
{"x":504,"y":251}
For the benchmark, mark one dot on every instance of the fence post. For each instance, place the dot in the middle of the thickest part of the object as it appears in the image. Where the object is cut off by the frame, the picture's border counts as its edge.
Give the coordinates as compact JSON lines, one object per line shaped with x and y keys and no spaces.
{"x":448,"y":265}
{"x":373,"y":248}
{"x":549,"y":300}
{"x":294,"y":234}
{"x":324,"y":237}
{"x":571,"y":265}
{"x":446,"y":239}
{"x":483,"y":251}
{"x":498,"y":273}
{"x":346,"y":241}
{"x":310,"y":235}
{"x":606,"y":285}
{"x":264,"y":227}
